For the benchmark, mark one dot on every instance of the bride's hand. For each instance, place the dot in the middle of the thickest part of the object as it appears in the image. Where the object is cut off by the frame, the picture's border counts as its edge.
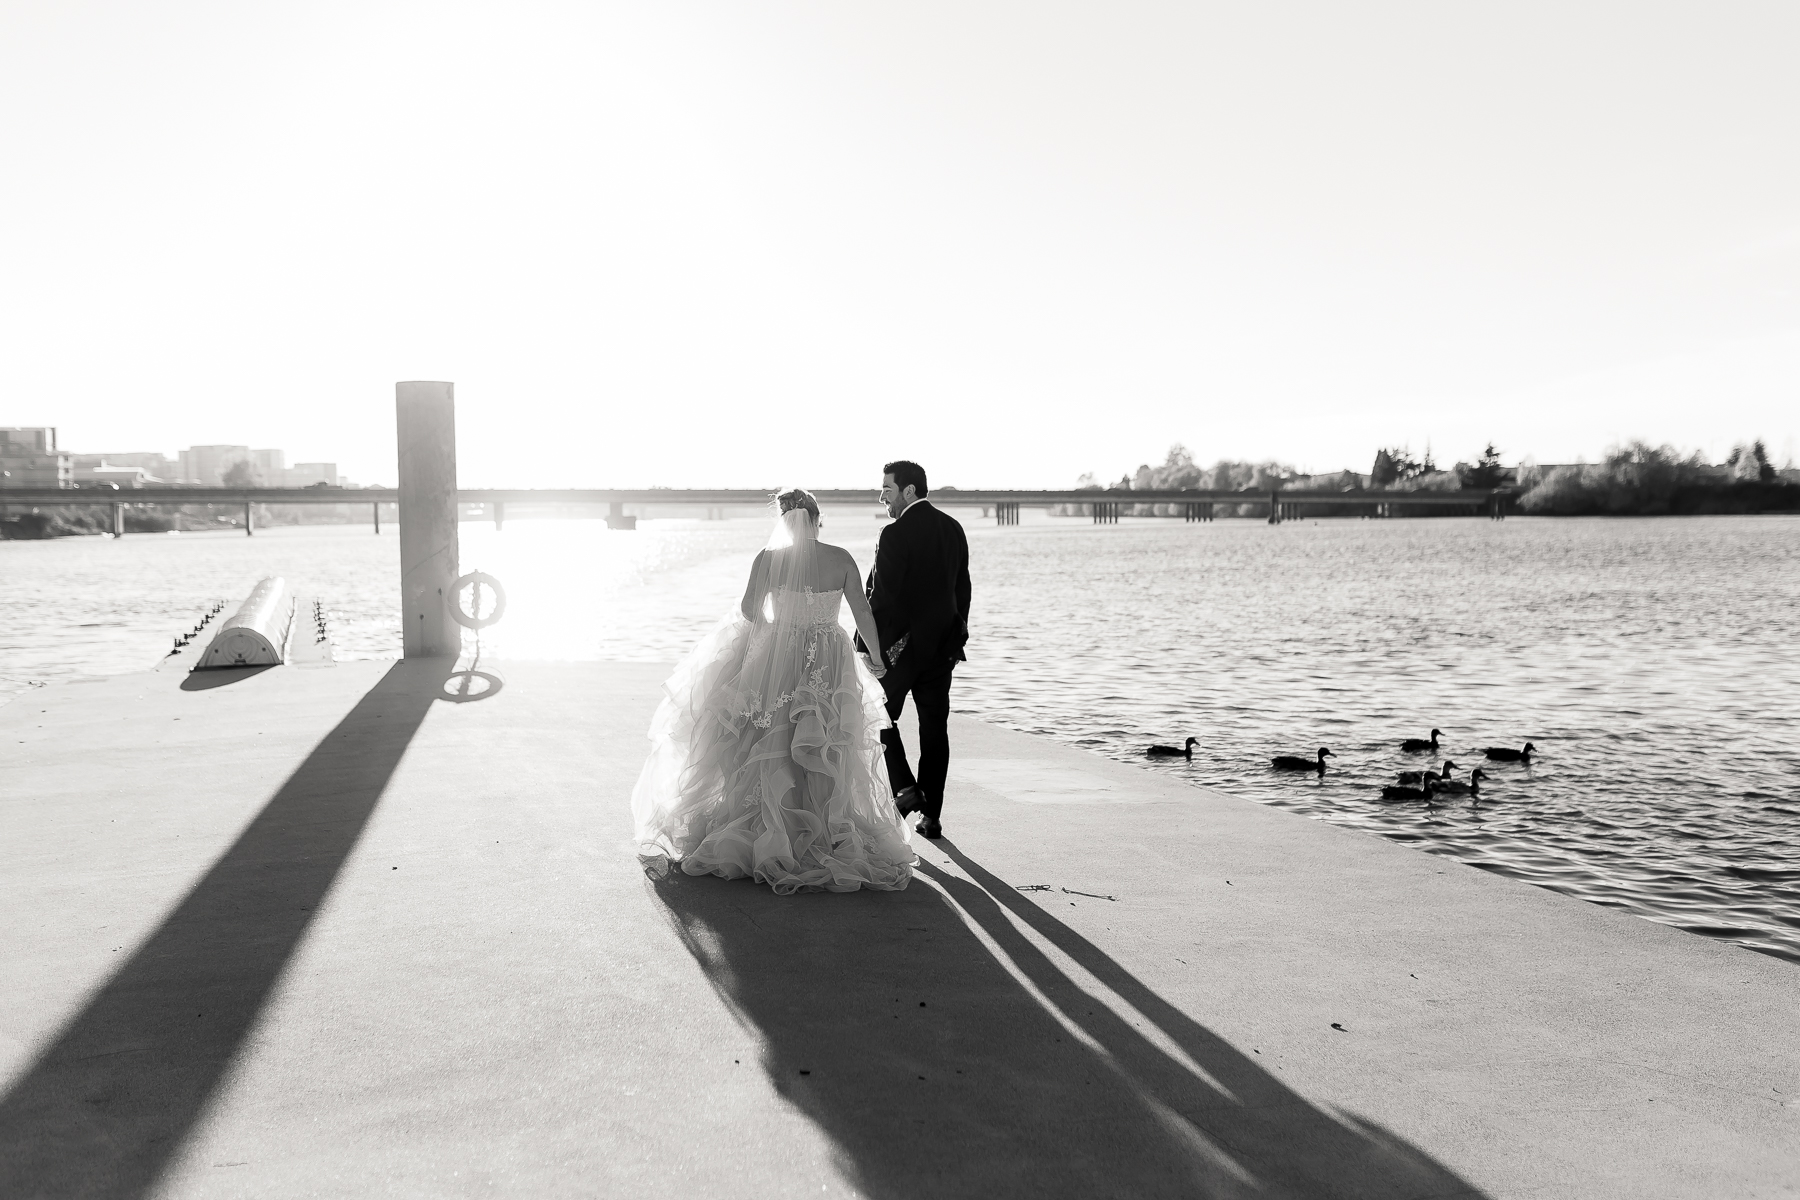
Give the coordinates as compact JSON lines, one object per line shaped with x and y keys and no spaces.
{"x":875,"y":668}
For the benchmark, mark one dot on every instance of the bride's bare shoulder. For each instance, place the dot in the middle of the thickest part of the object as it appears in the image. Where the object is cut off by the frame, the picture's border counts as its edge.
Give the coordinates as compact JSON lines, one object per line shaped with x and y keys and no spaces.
{"x":838,"y":554}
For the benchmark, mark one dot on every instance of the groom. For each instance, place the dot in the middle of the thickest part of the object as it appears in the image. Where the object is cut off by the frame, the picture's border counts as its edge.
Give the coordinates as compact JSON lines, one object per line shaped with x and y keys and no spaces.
{"x":919,"y":589}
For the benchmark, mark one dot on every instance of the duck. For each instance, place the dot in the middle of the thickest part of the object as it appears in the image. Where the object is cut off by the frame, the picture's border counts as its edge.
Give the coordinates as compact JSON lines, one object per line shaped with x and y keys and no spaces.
{"x":1421,"y":776}
{"x":1292,"y":762}
{"x":1413,"y":745}
{"x":1172,"y":752}
{"x":1508,"y":754}
{"x":1424,"y":792}
{"x":1471,"y":787}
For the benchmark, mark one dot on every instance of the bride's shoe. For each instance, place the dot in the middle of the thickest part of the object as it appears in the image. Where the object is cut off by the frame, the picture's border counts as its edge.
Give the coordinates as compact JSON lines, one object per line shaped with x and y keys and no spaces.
{"x":909,"y":800}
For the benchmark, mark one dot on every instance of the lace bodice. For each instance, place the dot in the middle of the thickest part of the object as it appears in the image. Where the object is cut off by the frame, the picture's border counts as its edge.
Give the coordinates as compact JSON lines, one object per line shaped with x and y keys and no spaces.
{"x":817,"y":609}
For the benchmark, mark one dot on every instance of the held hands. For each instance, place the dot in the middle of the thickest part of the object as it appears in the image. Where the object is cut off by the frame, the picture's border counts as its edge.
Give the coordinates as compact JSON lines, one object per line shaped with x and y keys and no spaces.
{"x":876,"y":667}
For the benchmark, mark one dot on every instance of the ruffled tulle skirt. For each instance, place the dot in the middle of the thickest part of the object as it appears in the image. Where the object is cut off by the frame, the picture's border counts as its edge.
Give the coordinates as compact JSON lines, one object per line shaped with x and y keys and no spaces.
{"x":766,"y":763}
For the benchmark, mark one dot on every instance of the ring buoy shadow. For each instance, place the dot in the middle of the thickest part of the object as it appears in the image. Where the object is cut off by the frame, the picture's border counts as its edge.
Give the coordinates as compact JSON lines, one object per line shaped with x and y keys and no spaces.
{"x":474,"y":582}
{"x":464,"y":687}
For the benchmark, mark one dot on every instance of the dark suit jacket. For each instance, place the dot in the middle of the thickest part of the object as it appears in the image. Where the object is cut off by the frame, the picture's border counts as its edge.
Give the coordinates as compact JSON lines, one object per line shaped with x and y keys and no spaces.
{"x":919,"y":588}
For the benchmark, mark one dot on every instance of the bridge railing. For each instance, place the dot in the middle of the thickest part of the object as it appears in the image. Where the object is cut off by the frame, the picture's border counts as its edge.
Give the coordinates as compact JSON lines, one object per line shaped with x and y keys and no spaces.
{"x":721,"y":496}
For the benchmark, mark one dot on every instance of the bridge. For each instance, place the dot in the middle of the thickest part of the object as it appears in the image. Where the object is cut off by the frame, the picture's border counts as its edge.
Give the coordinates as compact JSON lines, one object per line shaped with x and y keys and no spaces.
{"x":1104,"y":507}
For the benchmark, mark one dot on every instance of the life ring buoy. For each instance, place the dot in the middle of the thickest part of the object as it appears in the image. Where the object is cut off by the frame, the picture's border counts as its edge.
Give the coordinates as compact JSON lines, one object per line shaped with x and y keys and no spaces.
{"x":473,"y":583}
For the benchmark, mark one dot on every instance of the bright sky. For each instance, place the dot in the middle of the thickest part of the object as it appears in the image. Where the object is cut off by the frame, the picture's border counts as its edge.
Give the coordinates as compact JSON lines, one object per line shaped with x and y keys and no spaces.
{"x":688,"y":243}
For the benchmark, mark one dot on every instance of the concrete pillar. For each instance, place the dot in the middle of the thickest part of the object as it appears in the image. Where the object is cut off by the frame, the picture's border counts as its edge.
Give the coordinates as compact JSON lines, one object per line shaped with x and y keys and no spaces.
{"x":377,"y":507}
{"x":249,"y":519}
{"x":425,"y":422}
{"x":118,"y":520}
{"x":499,"y":515}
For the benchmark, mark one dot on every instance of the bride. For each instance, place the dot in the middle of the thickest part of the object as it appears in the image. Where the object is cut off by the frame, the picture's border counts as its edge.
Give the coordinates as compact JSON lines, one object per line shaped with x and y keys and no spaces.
{"x":766,"y":758}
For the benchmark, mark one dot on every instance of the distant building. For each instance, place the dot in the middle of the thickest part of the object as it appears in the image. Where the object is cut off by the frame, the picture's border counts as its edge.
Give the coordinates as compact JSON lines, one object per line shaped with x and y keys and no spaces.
{"x":307,"y":474}
{"x":271,"y":466}
{"x":159,"y":466}
{"x":209,"y":465}
{"x":206,"y":465}
{"x":29,"y":458}
{"x":104,"y":473}
{"x":20,"y":440}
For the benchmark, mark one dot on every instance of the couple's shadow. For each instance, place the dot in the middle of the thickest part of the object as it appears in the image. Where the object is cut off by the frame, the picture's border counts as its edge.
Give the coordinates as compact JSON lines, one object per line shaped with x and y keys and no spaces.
{"x":937,"y":1071}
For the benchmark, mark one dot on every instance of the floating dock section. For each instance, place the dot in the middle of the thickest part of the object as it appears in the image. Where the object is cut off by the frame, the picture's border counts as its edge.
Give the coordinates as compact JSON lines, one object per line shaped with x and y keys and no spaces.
{"x":257,"y":634}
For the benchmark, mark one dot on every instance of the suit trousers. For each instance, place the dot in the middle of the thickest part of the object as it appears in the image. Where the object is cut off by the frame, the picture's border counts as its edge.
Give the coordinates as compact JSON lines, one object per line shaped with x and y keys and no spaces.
{"x":931,"y":696}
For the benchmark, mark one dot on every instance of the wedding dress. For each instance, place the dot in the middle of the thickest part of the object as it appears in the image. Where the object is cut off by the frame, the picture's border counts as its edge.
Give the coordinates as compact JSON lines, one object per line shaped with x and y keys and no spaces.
{"x":766,"y":758}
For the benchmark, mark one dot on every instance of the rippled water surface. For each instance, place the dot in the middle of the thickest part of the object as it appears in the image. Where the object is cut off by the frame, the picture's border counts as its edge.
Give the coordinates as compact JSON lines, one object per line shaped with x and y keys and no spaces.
{"x":1654,"y":663}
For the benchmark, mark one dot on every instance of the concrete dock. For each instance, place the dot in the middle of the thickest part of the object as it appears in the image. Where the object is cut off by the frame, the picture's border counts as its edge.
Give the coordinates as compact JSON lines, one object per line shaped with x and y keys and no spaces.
{"x":327,"y":931}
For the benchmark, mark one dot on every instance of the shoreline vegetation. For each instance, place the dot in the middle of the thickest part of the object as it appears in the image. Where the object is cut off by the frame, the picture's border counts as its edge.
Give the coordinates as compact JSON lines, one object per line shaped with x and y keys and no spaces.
{"x":45,"y":521}
{"x":1635,"y":479}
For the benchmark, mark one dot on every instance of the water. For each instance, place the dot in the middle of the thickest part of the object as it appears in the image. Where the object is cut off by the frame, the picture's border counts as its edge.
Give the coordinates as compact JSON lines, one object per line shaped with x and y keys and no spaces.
{"x":1652,"y":662}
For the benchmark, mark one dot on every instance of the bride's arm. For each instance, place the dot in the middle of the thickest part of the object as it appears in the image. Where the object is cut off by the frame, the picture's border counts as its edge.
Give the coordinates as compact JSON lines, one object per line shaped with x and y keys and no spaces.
{"x":860,"y":611}
{"x":756,"y":588}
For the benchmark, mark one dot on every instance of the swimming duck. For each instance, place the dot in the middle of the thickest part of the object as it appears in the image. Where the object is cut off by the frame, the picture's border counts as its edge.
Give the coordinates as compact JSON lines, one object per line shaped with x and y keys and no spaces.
{"x":1291,"y":762}
{"x":1419,"y":776}
{"x":1424,"y":792}
{"x":1508,"y":754}
{"x":1413,"y":745}
{"x":1172,"y":752}
{"x":1461,"y":788}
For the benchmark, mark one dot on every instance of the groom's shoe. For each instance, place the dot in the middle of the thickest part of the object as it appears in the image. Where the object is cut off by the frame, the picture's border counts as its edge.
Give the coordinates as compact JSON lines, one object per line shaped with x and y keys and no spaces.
{"x":930,"y":827}
{"x":909,"y":800}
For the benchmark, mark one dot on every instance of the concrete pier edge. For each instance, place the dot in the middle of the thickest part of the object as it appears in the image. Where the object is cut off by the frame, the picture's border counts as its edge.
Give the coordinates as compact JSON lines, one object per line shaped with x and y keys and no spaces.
{"x":328,"y":931}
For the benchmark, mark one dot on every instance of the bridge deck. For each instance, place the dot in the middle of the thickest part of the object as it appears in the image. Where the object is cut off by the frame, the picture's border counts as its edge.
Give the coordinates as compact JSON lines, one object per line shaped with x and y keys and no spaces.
{"x":714,"y":497}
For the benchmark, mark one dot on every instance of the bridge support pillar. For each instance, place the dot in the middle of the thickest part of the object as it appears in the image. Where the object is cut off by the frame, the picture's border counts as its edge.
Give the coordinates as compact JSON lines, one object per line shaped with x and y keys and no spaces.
{"x":425,"y":422}
{"x":118,"y":519}
{"x":377,"y":507}
{"x":499,"y":515}
{"x":249,"y":518}
{"x":1274,"y":509}
{"x":616,"y":518}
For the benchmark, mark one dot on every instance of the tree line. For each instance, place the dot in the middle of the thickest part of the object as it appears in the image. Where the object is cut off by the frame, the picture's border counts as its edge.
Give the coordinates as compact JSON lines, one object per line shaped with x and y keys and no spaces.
{"x":1635,"y":478}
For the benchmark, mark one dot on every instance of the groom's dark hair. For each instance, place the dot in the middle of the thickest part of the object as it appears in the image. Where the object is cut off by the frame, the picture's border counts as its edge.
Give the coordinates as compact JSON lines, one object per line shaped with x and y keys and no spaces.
{"x":905,"y":472}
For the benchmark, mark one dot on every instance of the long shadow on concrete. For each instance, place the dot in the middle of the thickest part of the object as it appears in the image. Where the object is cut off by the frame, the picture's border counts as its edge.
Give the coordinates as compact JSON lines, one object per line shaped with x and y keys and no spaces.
{"x":103,"y":1109}
{"x":936,"y":1071}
